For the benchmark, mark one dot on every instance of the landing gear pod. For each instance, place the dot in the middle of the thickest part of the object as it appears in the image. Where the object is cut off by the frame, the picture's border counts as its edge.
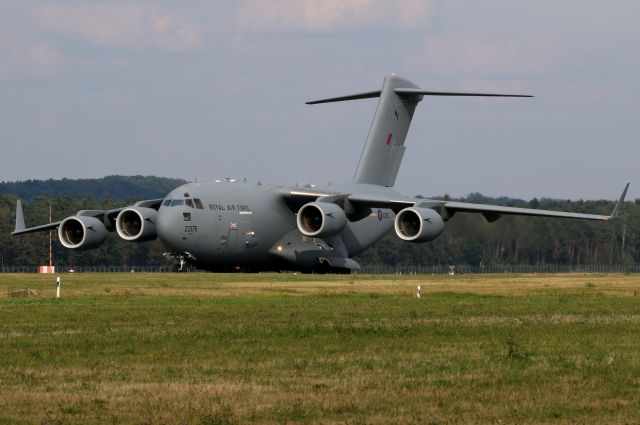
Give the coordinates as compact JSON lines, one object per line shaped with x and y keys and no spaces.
{"x":81,"y":232}
{"x":137,"y":224}
{"x":418,"y":224}
{"x":321,"y":219}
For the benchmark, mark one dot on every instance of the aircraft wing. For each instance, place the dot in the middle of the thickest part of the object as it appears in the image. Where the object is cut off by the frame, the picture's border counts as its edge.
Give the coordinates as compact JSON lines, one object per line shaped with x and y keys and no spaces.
{"x":106,"y":215}
{"x":493,"y":212}
{"x":41,"y":228}
{"x":490,"y":212}
{"x":446,"y":208}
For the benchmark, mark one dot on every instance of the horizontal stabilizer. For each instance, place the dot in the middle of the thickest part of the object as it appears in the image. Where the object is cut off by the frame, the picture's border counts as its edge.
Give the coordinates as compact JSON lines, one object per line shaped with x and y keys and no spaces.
{"x":367,"y":95}
{"x":410,"y":91}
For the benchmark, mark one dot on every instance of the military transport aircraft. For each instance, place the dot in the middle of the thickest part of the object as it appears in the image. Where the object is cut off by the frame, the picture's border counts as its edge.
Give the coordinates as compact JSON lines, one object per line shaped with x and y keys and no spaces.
{"x":241,"y":226}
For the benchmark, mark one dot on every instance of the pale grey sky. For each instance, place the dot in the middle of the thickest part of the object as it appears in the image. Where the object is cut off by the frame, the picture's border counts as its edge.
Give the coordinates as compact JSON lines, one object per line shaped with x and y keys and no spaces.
{"x":211,"y":89}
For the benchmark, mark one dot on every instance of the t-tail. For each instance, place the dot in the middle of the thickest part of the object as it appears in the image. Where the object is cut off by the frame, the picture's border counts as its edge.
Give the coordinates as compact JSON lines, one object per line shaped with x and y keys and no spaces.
{"x":383,"y":151}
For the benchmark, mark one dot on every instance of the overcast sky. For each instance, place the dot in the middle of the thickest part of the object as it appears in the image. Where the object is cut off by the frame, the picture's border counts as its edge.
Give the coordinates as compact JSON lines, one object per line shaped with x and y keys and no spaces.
{"x":212,"y":89}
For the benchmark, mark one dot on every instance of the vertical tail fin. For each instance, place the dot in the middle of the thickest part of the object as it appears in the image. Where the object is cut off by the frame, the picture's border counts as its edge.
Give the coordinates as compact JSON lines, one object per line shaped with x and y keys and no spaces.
{"x":383,"y":151}
{"x":384,"y":148}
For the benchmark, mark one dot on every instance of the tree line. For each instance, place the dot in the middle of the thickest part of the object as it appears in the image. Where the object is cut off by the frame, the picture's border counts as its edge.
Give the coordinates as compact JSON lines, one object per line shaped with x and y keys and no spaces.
{"x":110,"y":187}
{"x":467,"y":239}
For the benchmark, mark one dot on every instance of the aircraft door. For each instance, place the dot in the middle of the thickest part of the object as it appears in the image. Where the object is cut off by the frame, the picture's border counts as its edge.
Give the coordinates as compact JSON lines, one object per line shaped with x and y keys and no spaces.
{"x":232,"y":240}
{"x":220,"y":234}
{"x":226,"y":234}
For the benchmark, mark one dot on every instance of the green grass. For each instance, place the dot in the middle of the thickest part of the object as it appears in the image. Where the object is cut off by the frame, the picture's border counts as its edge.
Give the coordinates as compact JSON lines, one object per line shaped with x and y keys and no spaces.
{"x":225,"y":349}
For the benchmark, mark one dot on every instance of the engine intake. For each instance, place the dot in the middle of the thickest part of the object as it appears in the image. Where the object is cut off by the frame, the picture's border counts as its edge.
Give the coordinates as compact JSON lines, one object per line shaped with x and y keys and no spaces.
{"x":81,"y":232}
{"x":137,"y":224}
{"x":321,"y":219}
{"x":418,"y":224}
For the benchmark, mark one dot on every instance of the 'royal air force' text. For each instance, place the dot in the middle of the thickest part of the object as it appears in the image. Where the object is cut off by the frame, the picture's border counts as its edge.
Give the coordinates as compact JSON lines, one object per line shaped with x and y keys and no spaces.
{"x":232,"y":207}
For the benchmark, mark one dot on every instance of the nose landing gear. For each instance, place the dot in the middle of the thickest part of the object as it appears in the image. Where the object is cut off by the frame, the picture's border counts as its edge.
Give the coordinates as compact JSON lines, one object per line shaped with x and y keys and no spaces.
{"x":179,"y":266}
{"x":182,"y":261}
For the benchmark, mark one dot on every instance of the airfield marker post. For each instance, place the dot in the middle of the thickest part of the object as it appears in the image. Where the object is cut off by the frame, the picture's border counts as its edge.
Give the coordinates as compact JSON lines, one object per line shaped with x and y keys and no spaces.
{"x":58,"y":287}
{"x":418,"y":291}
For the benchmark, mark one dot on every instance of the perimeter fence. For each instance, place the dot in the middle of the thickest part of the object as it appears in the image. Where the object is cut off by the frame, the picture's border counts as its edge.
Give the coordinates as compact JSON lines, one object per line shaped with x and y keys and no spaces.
{"x":434,"y":269}
{"x":91,"y":269}
{"x":500,"y":269}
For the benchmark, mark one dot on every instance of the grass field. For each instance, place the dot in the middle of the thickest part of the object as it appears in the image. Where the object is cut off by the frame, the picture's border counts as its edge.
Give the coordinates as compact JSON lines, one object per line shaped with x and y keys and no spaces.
{"x":225,"y":349}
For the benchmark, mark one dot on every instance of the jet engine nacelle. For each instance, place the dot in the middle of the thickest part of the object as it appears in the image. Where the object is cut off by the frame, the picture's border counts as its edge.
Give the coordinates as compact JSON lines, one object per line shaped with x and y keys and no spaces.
{"x":137,"y":224}
{"x":81,"y":232}
{"x":321,"y":219}
{"x":416,"y":224}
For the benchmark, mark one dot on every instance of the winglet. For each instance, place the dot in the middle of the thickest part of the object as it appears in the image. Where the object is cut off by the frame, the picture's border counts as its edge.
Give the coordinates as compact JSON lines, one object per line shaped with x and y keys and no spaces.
{"x":616,"y":209}
{"x":19,"y":217}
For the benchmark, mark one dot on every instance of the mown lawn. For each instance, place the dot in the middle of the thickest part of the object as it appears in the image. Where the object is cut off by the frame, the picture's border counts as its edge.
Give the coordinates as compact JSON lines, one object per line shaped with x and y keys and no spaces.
{"x":224,"y":349}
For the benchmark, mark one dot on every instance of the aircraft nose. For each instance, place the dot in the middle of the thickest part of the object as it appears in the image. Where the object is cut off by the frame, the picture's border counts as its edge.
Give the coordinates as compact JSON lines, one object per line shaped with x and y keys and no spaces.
{"x":168,"y":227}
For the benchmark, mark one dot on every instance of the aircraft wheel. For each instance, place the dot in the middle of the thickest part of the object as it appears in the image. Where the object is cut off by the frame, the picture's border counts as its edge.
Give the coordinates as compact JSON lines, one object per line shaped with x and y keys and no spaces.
{"x":322,"y":268}
{"x":325,"y":268}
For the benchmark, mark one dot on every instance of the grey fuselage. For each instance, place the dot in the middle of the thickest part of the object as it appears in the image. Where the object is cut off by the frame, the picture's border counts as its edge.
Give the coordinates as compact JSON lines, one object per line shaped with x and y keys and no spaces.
{"x":252,"y":227}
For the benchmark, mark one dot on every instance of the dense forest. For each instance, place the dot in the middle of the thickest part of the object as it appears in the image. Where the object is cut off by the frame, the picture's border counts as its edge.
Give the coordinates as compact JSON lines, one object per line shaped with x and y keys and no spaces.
{"x":110,"y":187}
{"x":468,"y":238}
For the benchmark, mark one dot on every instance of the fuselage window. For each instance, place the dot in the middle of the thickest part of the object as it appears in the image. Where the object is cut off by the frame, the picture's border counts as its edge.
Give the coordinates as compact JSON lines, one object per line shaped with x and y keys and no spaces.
{"x":189,"y":202}
{"x":198,"y":203}
{"x":177,"y":202}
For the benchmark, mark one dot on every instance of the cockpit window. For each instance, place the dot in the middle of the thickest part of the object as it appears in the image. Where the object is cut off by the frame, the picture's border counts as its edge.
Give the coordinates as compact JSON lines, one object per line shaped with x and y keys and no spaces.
{"x":190,"y":202}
